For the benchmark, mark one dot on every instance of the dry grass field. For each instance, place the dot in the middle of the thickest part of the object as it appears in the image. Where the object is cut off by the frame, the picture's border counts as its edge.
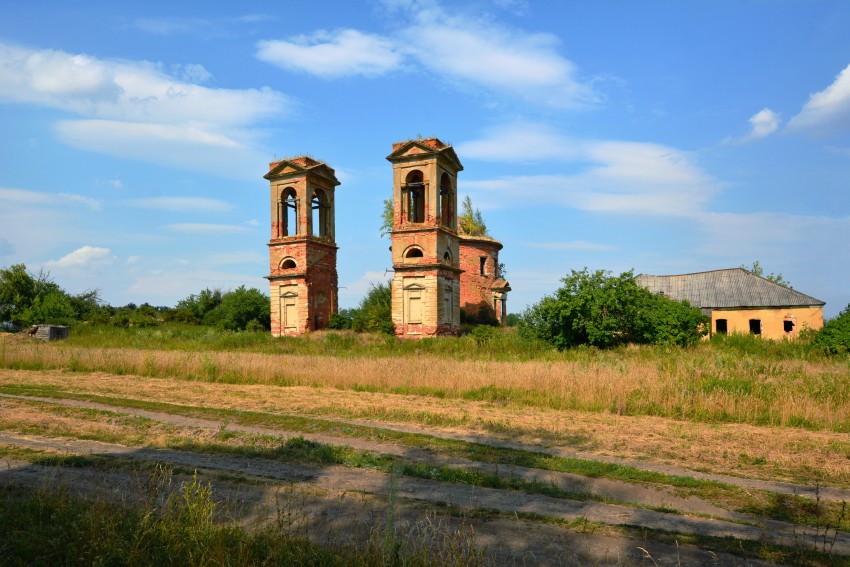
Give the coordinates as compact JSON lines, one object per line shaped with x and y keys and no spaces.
{"x":636,"y":456}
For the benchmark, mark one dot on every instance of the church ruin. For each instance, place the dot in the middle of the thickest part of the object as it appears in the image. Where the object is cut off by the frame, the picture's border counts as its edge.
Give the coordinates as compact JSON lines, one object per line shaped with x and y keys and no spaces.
{"x":437,"y":270}
{"x":303,"y":281}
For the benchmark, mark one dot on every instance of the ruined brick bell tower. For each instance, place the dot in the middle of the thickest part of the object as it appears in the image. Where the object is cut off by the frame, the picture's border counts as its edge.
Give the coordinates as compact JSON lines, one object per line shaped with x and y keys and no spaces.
{"x":303,"y":282}
{"x":426,"y":285}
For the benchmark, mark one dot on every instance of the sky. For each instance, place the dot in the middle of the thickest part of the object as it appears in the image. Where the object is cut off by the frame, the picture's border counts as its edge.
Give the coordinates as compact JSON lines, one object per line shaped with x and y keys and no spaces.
{"x":655,"y":136}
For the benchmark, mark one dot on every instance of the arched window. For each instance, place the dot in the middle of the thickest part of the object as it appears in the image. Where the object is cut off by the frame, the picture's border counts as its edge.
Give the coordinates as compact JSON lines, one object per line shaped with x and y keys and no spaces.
{"x":288,"y":264}
{"x":447,"y":258}
{"x":413,"y":196}
{"x":320,"y":209}
{"x":446,"y":201}
{"x":414,"y":252}
{"x":287,"y":213}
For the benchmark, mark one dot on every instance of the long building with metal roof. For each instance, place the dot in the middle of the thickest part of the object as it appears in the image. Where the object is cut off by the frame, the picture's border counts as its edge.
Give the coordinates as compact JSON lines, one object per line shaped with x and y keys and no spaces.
{"x":739,"y":301}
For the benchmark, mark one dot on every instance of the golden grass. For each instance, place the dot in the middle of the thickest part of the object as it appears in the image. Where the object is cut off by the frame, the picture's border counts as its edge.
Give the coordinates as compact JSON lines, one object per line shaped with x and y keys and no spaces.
{"x":789,"y":454}
{"x":697,"y":385}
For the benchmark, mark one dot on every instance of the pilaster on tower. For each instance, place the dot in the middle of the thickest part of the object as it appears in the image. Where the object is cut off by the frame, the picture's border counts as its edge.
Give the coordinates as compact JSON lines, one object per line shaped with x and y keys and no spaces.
{"x":303,"y":281}
{"x":426,"y":285}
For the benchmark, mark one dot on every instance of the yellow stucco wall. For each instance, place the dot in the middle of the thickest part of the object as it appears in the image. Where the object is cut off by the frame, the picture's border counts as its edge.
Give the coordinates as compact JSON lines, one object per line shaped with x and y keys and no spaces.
{"x":772,"y":320}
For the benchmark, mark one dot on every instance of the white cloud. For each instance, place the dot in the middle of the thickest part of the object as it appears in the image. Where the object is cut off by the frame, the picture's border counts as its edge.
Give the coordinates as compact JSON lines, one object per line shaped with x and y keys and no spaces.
{"x":182,"y":204}
{"x":83,"y":258}
{"x":177,"y":146}
{"x":347,"y":52}
{"x":466,"y":50}
{"x":614,"y":176}
{"x":508,"y":60}
{"x":521,"y":142}
{"x":138,"y":106}
{"x":204,"y":228}
{"x":827,"y":111}
{"x":28,"y":197}
{"x":762,"y":124}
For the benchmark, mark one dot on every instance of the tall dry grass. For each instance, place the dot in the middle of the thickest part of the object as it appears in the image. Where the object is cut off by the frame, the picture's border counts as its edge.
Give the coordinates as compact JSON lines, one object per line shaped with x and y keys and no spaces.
{"x":701,"y":384}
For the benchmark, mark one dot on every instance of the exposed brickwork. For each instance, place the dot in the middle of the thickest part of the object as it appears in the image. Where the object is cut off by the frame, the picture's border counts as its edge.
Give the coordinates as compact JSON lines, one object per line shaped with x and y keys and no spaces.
{"x":476,"y":293}
{"x":303,"y":280}
{"x":425,"y":254}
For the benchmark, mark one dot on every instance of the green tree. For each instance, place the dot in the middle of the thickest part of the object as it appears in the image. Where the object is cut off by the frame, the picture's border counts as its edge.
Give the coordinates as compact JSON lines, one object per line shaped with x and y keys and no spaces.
{"x":834,"y":337}
{"x":603,"y":310}
{"x":238,"y":308}
{"x":374,"y":314}
{"x":470,"y":220}
{"x":197,"y":306}
{"x":54,"y":307}
{"x":18,"y":291}
{"x":757,"y":270}
{"x":387,"y":218}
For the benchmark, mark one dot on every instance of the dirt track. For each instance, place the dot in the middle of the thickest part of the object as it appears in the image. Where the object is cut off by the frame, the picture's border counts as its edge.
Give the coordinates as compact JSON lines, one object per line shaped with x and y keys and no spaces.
{"x":340,"y":500}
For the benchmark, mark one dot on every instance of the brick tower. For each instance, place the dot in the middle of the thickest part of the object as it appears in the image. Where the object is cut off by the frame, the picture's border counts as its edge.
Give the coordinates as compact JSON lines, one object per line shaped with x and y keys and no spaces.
{"x":303,"y":281}
{"x":426,"y":285}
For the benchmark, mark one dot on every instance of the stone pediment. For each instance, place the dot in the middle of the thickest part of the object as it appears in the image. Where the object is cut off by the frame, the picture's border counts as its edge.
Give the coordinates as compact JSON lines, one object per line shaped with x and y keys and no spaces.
{"x":301,"y":165}
{"x":430,"y":146}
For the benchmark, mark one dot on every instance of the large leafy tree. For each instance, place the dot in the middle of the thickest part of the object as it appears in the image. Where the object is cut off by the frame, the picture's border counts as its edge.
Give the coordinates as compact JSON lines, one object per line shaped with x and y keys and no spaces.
{"x":19,"y":289}
{"x":238,"y":308}
{"x":603,"y":310}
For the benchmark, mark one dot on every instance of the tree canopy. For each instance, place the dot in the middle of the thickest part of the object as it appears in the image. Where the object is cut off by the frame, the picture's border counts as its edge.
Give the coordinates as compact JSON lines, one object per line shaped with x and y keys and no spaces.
{"x":603,"y":310}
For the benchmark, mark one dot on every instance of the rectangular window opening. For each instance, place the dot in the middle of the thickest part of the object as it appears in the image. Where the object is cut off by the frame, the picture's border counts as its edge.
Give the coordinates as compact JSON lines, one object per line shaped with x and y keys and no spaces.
{"x":788,"y":326}
{"x":720,"y":327}
{"x":482,"y":265}
{"x":755,"y":326}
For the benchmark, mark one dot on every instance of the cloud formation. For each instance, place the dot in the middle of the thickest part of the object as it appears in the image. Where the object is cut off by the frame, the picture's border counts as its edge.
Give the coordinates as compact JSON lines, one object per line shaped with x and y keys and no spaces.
{"x":763,"y":123}
{"x":29,"y":197}
{"x":327,"y":55}
{"x":613,"y":176}
{"x":828,"y":111}
{"x":136,"y":109}
{"x":83,"y":258}
{"x":468,"y":51}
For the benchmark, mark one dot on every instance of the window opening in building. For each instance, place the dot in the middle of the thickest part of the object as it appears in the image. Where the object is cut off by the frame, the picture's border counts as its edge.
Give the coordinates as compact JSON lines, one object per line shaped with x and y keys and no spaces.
{"x":414,"y":253}
{"x":720,"y":327}
{"x":288,"y":264}
{"x":288,"y":213}
{"x":321,"y":214}
{"x":414,"y":196}
{"x":482,"y":265}
{"x":445,"y":205}
{"x":447,"y":258}
{"x":788,"y":326}
{"x":755,"y":326}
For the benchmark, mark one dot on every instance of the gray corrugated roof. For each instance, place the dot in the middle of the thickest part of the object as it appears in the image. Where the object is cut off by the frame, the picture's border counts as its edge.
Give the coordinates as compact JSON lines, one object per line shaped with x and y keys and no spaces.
{"x":734,"y":287}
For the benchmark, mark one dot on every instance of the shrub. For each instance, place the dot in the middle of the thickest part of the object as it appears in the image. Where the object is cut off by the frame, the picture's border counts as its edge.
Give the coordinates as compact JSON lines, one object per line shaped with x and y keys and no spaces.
{"x":238,"y":307}
{"x":341,"y":320}
{"x":834,"y":337}
{"x":374,"y":313}
{"x":599,"y":309}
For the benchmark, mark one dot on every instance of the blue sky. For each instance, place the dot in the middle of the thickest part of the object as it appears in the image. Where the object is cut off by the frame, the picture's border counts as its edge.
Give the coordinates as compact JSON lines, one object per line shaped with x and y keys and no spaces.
{"x":664,"y":137}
